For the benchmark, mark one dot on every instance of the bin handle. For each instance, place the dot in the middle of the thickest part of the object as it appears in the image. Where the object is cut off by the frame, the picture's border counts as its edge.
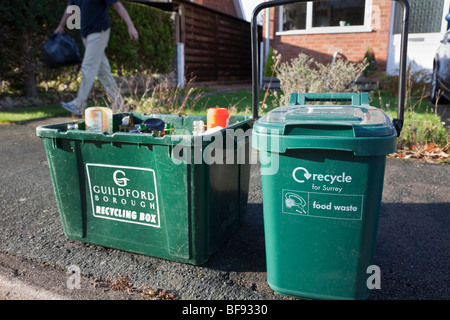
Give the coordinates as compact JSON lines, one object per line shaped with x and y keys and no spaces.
{"x":356,"y":98}
{"x":398,"y":122}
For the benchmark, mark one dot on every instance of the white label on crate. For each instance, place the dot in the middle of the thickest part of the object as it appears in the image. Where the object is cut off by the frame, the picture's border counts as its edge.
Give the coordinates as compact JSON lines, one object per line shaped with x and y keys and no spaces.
{"x":322,"y":205}
{"x":125,"y":194}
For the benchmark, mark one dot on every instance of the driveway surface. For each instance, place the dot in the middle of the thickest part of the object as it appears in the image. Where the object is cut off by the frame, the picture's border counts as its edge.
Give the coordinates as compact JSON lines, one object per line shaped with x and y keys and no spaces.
{"x":413,"y":246}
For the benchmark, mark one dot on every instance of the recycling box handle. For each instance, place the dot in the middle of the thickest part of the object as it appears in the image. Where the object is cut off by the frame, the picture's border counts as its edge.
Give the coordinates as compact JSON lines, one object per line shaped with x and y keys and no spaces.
{"x":398,"y":122}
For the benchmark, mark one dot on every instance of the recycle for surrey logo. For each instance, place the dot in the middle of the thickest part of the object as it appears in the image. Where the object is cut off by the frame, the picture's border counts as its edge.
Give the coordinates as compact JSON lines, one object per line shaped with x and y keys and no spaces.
{"x":301,"y":175}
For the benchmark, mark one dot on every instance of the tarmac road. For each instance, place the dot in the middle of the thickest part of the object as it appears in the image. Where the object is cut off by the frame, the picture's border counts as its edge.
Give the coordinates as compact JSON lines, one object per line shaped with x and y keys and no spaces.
{"x":413,"y":247}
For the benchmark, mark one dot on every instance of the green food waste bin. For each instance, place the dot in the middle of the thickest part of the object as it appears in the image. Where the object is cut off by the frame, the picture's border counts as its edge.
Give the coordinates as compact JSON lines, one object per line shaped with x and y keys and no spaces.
{"x":322,"y":170}
{"x":158,"y":196}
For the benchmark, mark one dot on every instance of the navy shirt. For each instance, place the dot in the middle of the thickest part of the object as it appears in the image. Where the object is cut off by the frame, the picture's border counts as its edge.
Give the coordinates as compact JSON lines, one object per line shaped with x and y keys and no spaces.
{"x":94,"y":15}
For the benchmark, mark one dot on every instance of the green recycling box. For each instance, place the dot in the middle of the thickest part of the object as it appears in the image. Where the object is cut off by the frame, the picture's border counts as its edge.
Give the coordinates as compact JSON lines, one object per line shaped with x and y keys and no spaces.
{"x":159,"y":196}
{"x":322,"y":169}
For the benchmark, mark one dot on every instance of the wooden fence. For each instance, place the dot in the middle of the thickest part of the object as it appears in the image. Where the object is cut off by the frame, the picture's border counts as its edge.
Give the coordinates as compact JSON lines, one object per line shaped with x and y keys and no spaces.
{"x":217,"y":46}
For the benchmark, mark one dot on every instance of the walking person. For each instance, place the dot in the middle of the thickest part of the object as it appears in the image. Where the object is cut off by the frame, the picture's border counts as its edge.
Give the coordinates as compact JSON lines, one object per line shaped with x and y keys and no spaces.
{"x":95,"y":31}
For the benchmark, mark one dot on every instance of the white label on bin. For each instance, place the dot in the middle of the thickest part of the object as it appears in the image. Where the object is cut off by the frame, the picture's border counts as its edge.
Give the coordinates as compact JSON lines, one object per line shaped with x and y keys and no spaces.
{"x":125,"y":194}
{"x":302,"y":175}
{"x":322,"y":205}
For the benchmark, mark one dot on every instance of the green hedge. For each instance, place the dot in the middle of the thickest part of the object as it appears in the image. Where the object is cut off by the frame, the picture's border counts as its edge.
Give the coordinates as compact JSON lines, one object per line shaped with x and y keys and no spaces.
{"x":155,"y":48}
{"x":26,"y":25}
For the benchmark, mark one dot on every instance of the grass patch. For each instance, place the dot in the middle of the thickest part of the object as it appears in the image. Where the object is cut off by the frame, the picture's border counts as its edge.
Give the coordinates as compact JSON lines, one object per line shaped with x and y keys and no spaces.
{"x":421,"y":129}
{"x":422,"y":125}
{"x":33,"y":113}
{"x":239,"y":102}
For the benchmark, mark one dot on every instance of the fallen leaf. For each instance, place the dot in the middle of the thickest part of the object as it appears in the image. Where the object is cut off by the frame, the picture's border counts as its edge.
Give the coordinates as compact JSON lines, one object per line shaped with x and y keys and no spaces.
{"x":429,"y":147}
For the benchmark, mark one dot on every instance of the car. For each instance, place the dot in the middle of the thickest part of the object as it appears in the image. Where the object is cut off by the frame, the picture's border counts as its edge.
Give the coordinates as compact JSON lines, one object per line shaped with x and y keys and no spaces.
{"x":440,"y":80}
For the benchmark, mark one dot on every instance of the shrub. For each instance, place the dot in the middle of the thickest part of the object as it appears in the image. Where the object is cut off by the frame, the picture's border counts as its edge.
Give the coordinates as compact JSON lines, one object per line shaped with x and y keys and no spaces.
{"x":305,"y":74}
{"x":25,"y":26}
{"x":270,"y":62}
{"x":369,"y":56}
{"x":149,"y":95}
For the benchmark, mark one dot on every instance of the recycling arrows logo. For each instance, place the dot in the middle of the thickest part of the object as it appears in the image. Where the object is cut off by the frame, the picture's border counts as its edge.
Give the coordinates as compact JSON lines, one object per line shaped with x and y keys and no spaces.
{"x":306,"y":175}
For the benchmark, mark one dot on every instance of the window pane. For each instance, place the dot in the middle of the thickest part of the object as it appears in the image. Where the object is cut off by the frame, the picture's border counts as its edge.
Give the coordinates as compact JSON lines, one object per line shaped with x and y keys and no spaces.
{"x":425,"y":16}
{"x":294,"y":16}
{"x":336,"y":13}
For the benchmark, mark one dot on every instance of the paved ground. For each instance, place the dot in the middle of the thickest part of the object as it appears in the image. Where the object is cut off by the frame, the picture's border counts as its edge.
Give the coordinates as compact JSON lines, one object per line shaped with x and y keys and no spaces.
{"x":412,"y":249}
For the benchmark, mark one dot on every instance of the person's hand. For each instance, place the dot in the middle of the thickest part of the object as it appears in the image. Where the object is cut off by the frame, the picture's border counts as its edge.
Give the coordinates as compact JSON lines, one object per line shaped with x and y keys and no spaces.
{"x":133,"y":33}
{"x":60,"y":29}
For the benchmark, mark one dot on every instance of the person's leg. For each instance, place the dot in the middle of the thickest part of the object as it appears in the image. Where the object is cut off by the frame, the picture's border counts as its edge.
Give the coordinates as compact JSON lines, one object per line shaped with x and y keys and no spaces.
{"x":94,"y":43}
{"x":109,"y":83}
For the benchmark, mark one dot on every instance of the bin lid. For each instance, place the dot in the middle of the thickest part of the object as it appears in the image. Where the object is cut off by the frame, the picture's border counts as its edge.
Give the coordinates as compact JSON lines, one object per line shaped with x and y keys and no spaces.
{"x":366,"y":121}
{"x":336,"y":127}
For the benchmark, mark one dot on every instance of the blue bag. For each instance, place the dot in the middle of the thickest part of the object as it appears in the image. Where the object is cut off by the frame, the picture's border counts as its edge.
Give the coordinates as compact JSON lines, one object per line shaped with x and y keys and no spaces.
{"x":61,"y":50}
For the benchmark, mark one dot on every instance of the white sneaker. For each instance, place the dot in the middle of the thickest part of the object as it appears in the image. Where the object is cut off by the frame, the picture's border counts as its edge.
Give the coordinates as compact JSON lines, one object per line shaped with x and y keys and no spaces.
{"x":69,"y":106}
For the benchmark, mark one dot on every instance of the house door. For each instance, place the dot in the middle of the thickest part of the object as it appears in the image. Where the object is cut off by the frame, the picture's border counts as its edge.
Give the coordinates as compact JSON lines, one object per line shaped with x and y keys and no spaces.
{"x":427,"y":26}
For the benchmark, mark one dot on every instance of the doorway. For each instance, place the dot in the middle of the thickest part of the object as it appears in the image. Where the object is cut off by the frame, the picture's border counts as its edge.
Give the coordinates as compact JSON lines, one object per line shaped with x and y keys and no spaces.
{"x":427,"y":26}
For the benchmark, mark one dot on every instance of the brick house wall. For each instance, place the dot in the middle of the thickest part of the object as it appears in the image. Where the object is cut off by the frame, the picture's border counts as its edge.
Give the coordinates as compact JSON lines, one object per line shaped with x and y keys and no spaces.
{"x":225,"y":6}
{"x":322,"y":46}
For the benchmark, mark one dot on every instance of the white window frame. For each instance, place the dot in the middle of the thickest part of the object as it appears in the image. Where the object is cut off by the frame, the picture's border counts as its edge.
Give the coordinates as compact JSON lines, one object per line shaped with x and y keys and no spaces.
{"x":367,"y":27}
